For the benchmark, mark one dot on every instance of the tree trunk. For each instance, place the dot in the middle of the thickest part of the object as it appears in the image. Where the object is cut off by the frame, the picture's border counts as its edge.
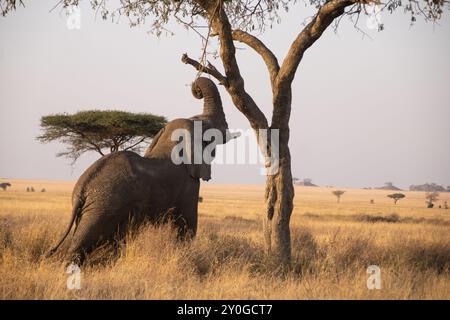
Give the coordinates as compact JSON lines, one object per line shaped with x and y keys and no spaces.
{"x":279,"y":194}
{"x":279,"y":201}
{"x":279,"y":198}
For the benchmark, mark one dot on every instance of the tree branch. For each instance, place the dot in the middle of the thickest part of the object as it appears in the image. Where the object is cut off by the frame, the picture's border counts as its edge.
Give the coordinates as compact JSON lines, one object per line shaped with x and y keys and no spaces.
{"x":89,"y":141}
{"x":282,"y":96}
{"x":257,"y":45}
{"x":209,"y":69}
{"x":235,"y":86}
{"x":324,"y":17}
{"x":135,"y":144}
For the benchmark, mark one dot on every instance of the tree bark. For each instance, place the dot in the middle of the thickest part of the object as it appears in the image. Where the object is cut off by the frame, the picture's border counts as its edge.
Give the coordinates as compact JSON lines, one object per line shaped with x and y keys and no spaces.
{"x":279,"y":198}
{"x":279,"y":187}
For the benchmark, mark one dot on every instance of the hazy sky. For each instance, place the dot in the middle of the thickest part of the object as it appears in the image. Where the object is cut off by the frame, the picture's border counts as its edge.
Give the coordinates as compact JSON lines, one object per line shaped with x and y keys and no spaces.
{"x":364,"y":111}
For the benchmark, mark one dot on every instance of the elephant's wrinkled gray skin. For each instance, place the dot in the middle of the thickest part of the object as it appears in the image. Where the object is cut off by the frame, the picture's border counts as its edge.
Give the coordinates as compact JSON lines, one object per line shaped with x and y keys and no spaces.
{"x":124,"y":187}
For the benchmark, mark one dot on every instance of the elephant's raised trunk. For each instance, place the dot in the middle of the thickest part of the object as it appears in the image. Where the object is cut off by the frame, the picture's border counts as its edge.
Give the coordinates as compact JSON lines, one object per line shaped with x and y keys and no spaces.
{"x":212,"y":107}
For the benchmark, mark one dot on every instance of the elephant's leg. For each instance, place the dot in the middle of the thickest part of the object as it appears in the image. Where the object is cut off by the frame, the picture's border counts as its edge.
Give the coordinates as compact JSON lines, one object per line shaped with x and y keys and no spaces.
{"x":186,"y":215}
{"x":92,"y":230}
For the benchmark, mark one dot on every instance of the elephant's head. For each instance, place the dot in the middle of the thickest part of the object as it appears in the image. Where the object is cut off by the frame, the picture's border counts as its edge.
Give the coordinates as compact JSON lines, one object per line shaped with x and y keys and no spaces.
{"x":212,"y":117}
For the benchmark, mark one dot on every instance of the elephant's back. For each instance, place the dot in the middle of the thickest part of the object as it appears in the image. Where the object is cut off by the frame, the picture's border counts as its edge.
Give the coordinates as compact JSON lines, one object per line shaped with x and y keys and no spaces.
{"x":108,"y":172}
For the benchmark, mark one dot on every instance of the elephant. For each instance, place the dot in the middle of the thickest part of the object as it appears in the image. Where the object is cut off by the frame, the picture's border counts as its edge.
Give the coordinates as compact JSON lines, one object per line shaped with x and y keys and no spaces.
{"x":123,"y":188}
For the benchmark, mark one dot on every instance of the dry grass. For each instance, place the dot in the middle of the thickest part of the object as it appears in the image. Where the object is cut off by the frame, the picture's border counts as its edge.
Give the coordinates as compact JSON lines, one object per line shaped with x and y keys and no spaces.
{"x":333,"y":244}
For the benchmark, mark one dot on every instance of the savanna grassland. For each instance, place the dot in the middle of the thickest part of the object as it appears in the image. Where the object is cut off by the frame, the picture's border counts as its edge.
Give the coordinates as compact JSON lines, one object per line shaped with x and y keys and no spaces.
{"x":333,"y":244}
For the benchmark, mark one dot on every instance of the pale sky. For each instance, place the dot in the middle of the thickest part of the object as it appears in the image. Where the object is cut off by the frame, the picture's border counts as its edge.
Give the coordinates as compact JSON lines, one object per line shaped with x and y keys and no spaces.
{"x":364,"y":111}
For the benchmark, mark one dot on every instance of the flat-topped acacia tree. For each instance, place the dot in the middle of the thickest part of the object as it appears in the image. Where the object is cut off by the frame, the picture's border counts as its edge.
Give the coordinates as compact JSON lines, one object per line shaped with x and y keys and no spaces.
{"x":101,"y":131}
{"x":232,"y":21}
{"x":396,"y":197}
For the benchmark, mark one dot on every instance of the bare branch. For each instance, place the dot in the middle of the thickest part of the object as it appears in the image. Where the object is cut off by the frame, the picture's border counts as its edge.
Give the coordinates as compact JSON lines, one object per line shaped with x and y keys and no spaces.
{"x":209,"y":69}
{"x":190,"y":25}
{"x":131,"y":147}
{"x":56,"y":5}
{"x":257,"y":45}
{"x":324,"y":17}
{"x":282,"y":96}
{"x":235,"y":86}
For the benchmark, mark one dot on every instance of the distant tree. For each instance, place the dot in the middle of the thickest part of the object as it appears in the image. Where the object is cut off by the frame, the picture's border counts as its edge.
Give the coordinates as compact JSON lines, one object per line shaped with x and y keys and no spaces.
{"x":99,"y":131}
{"x":448,"y":188}
{"x":295,"y":180}
{"x":431,"y":197}
{"x":338,"y":194}
{"x":31,"y":189}
{"x":396,"y":196}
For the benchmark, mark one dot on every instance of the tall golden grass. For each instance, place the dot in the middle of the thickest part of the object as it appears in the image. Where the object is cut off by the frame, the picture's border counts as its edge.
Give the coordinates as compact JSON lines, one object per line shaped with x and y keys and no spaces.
{"x":333,"y":244}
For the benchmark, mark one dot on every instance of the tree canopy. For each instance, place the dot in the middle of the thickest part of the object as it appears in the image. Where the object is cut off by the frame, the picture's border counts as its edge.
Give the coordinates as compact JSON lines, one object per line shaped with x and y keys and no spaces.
{"x":396,"y":196}
{"x":99,"y":131}
{"x":432,"y":196}
{"x":247,"y":15}
{"x":338,"y":194}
